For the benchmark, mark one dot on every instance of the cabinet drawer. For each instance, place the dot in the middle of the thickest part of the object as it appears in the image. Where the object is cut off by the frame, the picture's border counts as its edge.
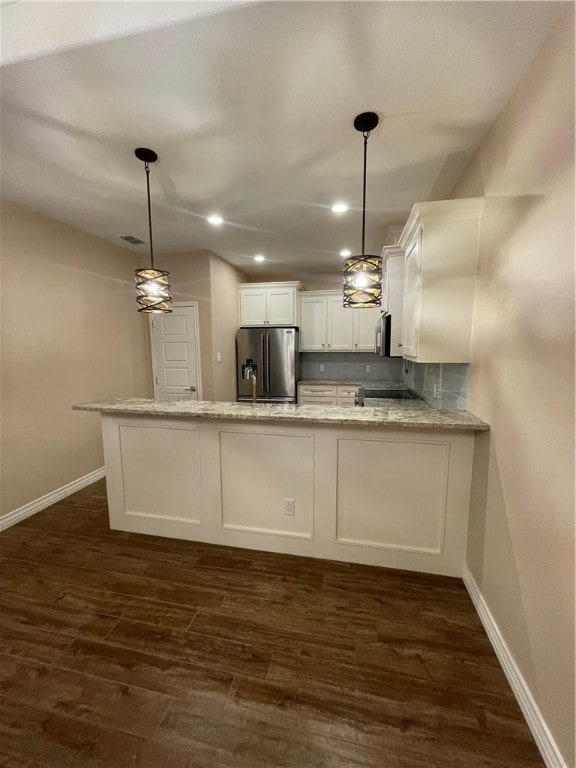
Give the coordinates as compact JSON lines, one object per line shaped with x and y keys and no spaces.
{"x":347,"y":392}
{"x":317,"y":391}
{"x":345,"y":402}
{"x":316,"y":400}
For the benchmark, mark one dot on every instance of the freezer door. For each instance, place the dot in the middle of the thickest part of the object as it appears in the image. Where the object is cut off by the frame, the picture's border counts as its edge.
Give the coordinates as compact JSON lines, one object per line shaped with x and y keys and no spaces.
{"x":282,"y":353}
{"x":250,"y":348}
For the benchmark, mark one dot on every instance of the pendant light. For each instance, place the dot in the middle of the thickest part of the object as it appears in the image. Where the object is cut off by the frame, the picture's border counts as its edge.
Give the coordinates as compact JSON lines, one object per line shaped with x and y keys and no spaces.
{"x":363,"y":274}
{"x":153,"y":294}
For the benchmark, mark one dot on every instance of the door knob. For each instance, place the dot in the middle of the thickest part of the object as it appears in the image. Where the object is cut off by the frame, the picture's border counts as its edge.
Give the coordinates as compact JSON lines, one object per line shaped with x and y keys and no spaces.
{"x":192,"y":389}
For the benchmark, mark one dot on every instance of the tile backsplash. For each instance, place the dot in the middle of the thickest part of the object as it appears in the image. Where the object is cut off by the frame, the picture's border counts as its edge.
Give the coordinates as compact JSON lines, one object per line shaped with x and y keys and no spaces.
{"x":350,"y":366}
{"x":442,"y":385}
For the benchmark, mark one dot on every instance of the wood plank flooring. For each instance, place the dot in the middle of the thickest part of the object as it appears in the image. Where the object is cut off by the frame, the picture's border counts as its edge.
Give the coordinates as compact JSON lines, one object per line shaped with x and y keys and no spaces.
{"x":120,"y":650}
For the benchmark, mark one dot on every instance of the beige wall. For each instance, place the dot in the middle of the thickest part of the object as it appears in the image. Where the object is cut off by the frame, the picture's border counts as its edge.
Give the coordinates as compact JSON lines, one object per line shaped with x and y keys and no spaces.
{"x":204,"y":277}
{"x":521,"y":539}
{"x":70,"y":333}
{"x":224,"y":280}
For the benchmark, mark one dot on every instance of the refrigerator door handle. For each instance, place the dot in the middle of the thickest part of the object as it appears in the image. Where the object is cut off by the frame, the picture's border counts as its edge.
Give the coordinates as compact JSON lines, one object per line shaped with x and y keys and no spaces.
{"x":267,"y":365}
{"x":263,"y":372}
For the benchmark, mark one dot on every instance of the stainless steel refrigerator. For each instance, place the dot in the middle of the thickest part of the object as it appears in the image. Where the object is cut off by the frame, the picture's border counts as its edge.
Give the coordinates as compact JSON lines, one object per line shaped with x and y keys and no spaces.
{"x":267,"y":362}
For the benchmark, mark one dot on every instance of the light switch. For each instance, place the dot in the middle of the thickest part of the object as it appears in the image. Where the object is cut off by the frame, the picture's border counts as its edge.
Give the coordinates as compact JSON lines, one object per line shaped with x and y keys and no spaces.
{"x":219,"y":357}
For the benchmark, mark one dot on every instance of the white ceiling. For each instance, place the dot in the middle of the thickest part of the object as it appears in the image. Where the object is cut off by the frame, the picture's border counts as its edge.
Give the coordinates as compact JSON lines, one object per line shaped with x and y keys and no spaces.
{"x":250,"y":108}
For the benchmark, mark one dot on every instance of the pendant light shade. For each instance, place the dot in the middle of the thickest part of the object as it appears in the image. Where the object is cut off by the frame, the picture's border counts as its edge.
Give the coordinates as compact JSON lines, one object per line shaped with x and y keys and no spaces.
{"x":363,"y":281}
{"x":363,"y":274}
{"x":153,"y":292}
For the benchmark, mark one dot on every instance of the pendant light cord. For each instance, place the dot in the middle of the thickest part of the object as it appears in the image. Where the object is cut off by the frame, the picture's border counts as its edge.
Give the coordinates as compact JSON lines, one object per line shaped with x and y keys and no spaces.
{"x":366,"y":134}
{"x":147,"y":168}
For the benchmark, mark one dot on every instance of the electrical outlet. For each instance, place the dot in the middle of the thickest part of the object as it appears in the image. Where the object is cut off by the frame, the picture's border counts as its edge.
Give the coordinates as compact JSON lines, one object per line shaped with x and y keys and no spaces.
{"x":322,"y":367}
{"x":289,"y":507}
{"x":368,"y":368}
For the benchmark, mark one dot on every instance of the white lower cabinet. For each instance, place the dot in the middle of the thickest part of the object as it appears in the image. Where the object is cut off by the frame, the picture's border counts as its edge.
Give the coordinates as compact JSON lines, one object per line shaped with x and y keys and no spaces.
{"x":346,"y":396}
{"x":373,"y":495}
{"x":326,"y":326}
{"x":317,"y":394}
{"x":326,"y":394}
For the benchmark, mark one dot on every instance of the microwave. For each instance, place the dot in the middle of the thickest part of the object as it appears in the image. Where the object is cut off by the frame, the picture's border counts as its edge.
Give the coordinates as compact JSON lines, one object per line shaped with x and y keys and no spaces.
{"x":383,"y":332}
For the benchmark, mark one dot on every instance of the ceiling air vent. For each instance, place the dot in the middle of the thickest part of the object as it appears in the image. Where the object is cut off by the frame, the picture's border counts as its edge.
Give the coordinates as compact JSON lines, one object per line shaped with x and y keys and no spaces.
{"x":131,"y":239}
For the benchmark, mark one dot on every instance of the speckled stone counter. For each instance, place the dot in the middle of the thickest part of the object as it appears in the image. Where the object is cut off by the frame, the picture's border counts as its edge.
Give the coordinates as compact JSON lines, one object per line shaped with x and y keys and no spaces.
{"x":388,"y":384}
{"x":392,"y":413}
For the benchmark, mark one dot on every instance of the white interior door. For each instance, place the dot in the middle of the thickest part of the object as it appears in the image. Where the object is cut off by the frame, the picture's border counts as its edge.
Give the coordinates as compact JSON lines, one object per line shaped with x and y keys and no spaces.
{"x":175,"y":354}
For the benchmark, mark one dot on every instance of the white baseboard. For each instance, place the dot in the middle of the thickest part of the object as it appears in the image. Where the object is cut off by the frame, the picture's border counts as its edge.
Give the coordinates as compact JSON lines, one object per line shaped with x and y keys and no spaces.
{"x":17,"y":515}
{"x":542,"y":736}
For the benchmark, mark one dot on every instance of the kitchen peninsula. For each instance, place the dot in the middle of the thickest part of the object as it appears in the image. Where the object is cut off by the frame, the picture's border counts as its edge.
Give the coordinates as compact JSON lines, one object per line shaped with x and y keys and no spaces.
{"x":385,"y":486}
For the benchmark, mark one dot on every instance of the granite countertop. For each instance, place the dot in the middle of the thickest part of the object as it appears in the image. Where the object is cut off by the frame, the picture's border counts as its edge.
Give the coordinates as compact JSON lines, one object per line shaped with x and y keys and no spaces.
{"x":357,"y":384}
{"x":392,"y":413}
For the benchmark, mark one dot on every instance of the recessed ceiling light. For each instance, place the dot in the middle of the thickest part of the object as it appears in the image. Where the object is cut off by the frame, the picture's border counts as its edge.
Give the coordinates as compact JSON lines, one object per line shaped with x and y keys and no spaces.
{"x":345,"y":253}
{"x":340,"y":207}
{"x":215,"y":219}
{"x":259,"y":257}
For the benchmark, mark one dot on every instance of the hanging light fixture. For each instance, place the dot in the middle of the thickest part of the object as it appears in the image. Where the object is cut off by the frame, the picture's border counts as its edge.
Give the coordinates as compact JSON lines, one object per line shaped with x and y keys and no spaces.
{"x":363,"y":274}
{"x":153,"y":294}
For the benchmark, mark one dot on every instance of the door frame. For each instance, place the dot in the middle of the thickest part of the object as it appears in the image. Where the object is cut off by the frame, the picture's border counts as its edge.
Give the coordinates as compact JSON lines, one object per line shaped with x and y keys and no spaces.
{"x":151,"y":318}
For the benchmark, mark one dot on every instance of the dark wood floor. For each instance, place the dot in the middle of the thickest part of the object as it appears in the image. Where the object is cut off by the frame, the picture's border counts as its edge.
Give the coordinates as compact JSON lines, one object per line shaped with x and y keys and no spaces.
{"x":126,"y":651}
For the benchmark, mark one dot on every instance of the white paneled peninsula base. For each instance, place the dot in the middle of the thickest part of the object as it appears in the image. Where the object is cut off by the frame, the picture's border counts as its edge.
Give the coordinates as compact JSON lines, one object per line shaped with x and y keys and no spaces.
{"x":387,"y":487}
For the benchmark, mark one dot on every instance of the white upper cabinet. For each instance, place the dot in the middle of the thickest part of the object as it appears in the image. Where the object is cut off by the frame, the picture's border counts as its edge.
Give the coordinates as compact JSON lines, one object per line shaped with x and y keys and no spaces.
{"x":312,"y":323}
{"x":252,"y":303}
{"x":268,"y":303}
{"x":393,"y":294}
{"x":440,"y":243}
{"x":326,"y":326}
{"x":340,"y":325}
{"x":365,"y":322}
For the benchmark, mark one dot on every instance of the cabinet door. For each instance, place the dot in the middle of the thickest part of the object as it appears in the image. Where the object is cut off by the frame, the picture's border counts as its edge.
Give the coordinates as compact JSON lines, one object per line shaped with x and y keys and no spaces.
{"x":395,"y":285}
{"x":412,"y":290}
{"x":281,"y":306}
{"x":340,"y":322}
{"x":312,"y":324}
{"x":252,"y":306}
{"x":365,"y":321}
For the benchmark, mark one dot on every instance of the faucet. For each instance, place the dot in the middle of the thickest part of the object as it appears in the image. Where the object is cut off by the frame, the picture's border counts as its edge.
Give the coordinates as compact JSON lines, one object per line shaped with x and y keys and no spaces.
{"x":249,"y":373}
